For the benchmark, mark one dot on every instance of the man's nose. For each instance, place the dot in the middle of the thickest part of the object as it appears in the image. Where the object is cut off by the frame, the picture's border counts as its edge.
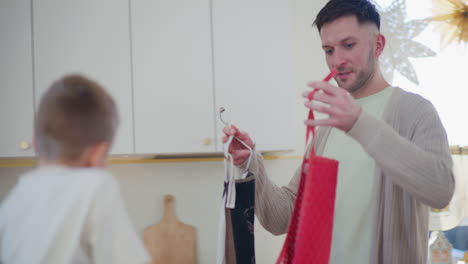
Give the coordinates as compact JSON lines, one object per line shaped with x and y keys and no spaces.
{"x":338,"y":59}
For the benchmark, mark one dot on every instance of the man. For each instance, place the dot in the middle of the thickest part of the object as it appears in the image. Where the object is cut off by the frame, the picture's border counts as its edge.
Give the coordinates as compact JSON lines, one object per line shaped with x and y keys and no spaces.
{"x":394,"y":157}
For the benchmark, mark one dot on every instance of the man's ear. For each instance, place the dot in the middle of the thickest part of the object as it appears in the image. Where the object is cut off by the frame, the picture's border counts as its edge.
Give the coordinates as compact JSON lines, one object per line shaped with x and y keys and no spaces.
{"x":379,"y":44}
{"x":96,"y":155}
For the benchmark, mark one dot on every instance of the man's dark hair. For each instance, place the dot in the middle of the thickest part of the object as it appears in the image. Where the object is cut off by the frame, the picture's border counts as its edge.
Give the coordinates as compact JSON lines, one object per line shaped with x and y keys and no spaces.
{"x":364,"y":11}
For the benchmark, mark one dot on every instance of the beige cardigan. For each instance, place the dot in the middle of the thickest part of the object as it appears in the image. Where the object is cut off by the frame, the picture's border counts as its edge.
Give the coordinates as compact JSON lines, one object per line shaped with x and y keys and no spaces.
{"x":414,"y":172}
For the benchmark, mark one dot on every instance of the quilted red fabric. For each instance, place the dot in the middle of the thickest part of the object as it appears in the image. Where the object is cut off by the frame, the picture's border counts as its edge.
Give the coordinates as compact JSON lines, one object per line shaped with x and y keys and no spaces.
{"x":310,"y":230}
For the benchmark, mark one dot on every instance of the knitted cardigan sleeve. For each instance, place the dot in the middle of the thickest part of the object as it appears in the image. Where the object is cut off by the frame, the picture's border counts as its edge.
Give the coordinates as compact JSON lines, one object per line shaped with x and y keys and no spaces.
{"x":273,"y":204}
{"x":420,"y":161}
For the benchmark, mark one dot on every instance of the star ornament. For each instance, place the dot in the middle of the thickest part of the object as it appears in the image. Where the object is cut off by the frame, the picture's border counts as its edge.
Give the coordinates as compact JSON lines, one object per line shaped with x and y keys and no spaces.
{"x":400,"y":45}
{"x":453,"y":18}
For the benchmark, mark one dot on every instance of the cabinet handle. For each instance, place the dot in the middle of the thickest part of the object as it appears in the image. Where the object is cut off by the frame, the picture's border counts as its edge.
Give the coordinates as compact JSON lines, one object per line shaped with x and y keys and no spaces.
{"x":207,"y":141}
{"x":24,"y":145}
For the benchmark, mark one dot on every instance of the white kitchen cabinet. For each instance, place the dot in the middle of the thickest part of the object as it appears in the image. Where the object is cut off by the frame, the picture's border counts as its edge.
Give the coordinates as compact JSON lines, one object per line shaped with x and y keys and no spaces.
{"x":175,"y":68}
{"x":16,"y":81}
{"x":170,"y":65}
{"x":173,"y":76}
{"x":89,"y":37}
{"x":253,"y":69}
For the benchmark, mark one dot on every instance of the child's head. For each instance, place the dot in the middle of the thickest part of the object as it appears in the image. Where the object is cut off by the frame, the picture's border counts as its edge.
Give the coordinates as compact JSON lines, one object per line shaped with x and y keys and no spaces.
{"x":76,"y":123}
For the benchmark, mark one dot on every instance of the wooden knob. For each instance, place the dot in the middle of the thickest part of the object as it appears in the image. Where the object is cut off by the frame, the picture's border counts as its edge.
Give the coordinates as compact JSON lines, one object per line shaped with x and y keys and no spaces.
{"x":207,"y":141}
{"x":24,"y":145}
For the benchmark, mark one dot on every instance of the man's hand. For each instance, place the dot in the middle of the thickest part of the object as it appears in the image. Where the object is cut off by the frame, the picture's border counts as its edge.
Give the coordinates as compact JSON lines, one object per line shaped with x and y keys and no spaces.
{"x":340,"y":106}
{"x":238,"y":151}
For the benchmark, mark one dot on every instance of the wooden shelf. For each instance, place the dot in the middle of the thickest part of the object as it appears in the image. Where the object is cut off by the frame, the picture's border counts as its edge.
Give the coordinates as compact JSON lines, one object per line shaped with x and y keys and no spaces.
{"x":135,"y":159}
{"x":205,"y":157}
{"x":459,"y":150}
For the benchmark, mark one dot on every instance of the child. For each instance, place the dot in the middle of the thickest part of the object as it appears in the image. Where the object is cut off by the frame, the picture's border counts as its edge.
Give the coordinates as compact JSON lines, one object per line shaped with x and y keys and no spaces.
{"x":69,"y":209}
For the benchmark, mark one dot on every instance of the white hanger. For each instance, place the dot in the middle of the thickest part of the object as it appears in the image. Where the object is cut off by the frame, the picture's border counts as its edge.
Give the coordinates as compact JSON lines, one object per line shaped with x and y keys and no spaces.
{"x":229,"y":167}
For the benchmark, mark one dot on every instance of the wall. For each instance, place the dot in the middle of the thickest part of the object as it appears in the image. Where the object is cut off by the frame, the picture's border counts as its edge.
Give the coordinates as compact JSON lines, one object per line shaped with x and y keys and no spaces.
{"x":197,"y":185}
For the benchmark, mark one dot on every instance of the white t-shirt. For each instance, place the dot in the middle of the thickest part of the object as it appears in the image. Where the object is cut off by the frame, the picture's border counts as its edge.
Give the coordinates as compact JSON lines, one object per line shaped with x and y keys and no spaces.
{"x":67,"y":215}
{"x":355,"y":203}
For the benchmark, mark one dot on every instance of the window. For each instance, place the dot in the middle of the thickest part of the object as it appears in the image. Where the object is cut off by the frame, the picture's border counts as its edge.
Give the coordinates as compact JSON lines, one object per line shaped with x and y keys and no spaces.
{"x":442,"y":78}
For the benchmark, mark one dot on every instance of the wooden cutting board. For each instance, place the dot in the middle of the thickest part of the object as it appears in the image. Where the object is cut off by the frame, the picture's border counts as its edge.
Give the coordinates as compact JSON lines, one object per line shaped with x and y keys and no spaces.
{"x":170,"y":241}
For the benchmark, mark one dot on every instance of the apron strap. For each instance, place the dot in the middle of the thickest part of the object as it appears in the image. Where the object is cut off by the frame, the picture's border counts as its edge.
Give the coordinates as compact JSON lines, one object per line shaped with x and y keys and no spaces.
{"x":230,"y":193}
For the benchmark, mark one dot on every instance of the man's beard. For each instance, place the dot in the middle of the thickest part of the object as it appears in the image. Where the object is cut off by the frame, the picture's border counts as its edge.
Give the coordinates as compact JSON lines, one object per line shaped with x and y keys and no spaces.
{"x":362,"y":77}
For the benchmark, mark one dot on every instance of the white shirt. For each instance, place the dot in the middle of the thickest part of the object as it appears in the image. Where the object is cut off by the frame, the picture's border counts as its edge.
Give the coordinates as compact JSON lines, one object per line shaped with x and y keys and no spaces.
{"x":64,"y":215}
{"x":355,"y":202}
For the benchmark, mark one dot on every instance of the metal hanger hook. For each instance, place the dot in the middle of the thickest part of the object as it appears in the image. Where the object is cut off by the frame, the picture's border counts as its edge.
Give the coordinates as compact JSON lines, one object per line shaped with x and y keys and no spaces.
{"x":221,"y":110}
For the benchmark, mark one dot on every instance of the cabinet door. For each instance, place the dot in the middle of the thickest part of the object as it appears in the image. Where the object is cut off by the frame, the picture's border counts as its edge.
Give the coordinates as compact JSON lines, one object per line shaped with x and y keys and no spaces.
{"x":16,"y":86}
{"x":91,"y":37}
{"x":253,"y":69}
{"x":173,"y":83}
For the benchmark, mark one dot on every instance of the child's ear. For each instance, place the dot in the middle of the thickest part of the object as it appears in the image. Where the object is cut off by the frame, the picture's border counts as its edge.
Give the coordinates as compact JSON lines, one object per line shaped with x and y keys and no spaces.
{"x":96,"y":155}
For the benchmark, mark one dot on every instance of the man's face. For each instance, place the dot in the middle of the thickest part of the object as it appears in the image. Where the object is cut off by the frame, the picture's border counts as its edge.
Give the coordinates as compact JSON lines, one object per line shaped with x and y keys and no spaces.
{"x":350,"y":48}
